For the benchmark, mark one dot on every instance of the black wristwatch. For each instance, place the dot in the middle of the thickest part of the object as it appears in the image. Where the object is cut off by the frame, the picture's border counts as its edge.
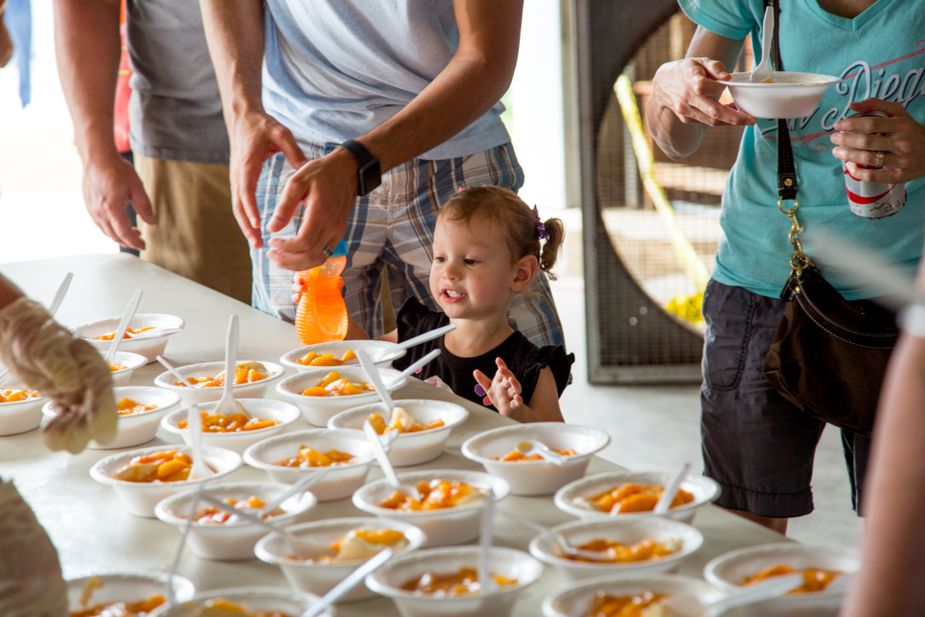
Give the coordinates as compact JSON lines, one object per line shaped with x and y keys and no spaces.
{"x":369,"y":175}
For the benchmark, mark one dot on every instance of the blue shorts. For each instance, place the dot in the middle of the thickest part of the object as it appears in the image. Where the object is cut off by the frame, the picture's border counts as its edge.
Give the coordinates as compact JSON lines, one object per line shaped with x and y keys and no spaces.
{"x":393,"y":227}
{"x":758,"y":446}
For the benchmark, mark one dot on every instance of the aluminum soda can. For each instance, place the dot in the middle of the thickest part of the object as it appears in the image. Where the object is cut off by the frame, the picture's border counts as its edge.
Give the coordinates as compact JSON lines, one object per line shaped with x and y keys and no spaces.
{"x":873,"y":200}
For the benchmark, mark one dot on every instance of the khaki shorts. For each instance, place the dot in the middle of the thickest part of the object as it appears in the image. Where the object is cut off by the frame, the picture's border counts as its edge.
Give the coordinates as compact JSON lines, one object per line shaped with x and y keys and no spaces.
{"x":196,"y":235}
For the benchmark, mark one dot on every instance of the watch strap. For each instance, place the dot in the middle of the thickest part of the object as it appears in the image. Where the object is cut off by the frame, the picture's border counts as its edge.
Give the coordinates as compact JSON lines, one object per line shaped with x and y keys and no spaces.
{"x":369,"y":173}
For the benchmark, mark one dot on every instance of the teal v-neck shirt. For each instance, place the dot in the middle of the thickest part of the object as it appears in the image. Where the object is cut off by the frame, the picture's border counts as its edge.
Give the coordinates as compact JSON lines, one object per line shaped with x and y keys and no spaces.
{"x":879,"y":53}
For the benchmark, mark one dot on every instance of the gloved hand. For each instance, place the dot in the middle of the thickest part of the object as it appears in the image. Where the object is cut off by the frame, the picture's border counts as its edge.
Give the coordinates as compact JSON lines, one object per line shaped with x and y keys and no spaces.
{"x":68,"y":371}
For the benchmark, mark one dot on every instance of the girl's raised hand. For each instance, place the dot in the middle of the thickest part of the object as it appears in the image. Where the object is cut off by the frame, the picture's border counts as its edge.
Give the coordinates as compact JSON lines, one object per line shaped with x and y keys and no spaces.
{"x":503,"y":390}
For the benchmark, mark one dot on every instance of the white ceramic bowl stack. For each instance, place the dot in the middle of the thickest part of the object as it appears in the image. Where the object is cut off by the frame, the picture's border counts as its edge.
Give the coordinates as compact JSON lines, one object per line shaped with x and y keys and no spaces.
{"x":410,"y":448}
{"x":543,"y":547}
{"x":789,"y":95}
{"x":382,"y":352}
{"x":195,"y":395}
{"x":318,"y":410}
{"x":339,"y":481}
{"x":317,"y":536}
{"x":126,"y":587}
{"x":284,"y":413}
{"x":149,"y":344}
{"x":518,"y":565}
{"x":231,"y":540}
{"x":20,"y":416}
{"x":137,"y":428}
{"x":577,"y":600}
{"x":253,"y":599}
{"x":568,"y":497}
{"x":140,"y":498}
{"x":536,"y":477}
{"x":727,"y":572}
{"x":442,"y":527}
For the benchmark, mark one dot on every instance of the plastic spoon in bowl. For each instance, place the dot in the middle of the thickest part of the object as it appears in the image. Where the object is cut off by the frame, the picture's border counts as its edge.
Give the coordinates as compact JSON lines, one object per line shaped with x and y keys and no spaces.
{"x":354,"y":579}
{"x":422,"y":338}
{"x":383,"y":459}
{"x":412,"y":368}
{"x":130,"y":309}
{"x":531,"y":446}
{"x":561,"y":541}
{"x":685,"y":605}
{"x":299,"y":487}
{"x":373,"y":374}
{"x":171,"y":588}
{"x":486,"y":532}
{"x":227,"y":405}
{"x":763,"y":71}
{"x":294,"y":544}
{"x":671,"y":489}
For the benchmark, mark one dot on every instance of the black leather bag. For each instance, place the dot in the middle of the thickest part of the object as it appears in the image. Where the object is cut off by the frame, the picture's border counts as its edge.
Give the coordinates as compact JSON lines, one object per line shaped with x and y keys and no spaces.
{"x":829,"y":355}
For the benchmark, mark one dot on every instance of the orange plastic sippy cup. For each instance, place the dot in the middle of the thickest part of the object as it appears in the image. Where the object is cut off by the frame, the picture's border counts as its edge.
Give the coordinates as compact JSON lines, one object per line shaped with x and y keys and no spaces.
{"x":322,"y":314}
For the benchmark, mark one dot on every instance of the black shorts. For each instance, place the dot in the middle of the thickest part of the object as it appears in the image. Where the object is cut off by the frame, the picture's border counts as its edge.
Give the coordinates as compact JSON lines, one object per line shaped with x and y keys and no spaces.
{"x":758,"y":446}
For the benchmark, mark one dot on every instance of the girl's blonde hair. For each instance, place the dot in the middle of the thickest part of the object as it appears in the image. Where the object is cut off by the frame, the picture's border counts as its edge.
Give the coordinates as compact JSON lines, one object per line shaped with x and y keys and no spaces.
{"x":521,"y":224}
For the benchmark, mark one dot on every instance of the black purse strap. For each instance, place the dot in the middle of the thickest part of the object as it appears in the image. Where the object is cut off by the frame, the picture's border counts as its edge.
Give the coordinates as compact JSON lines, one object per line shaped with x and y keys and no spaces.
{"x":786,"y":170}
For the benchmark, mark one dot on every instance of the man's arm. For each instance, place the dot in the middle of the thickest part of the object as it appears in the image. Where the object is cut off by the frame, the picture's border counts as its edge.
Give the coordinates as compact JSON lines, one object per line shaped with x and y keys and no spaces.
{"x":685,"y":95}
{"x":474,"y":79}
{"x":88,"y":48}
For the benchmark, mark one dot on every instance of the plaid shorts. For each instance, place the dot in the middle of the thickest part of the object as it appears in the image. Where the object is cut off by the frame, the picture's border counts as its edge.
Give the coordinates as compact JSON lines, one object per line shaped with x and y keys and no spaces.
{"x":393,"y":227}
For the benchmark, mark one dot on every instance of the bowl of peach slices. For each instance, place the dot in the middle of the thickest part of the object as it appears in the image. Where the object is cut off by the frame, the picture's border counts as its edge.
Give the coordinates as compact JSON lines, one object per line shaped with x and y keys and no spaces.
{"x":20,"y":410}
{"x":639,"y":596}
{"x":256,"y":419}
{"x":328,"y":551}
{"x":530,"y":474}
{"x":340,"y":353}
{"x":415,"y":431}
{"x":147,"y":333}
{"x":140,"y":410}
{"x":112,"y":595}
{"x":246,"y":602}
{"x":251,"y":379}
{"x":633,"y":495}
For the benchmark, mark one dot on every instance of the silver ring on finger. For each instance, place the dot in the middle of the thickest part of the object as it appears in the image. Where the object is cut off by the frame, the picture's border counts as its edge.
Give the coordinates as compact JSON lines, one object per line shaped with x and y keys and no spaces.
{"x":328,"y":251}
{"x":879,"y":157}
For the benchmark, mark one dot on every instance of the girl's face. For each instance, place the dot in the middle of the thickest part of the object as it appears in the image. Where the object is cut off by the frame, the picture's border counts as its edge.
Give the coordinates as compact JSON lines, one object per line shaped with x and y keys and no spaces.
{"x":472,"y":276}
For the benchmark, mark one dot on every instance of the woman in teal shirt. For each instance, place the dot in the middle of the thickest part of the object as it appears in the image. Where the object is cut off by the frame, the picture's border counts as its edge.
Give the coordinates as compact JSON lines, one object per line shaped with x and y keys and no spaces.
{"x":755,"y":444}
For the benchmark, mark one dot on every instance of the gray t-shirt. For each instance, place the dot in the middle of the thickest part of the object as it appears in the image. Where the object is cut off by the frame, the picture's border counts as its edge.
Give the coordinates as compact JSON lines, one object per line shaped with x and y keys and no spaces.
{"x":335,"y":69}
{"x":175,"y":109}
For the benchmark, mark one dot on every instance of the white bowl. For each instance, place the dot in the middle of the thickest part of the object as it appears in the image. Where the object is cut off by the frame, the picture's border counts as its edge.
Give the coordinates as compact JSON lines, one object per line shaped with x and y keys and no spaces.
{"x":576,"y":600}
{"x":383,"y":353}
{"x":727,"y":571}
{"x":126,"y":588}
{"x":536,"y":477}
{"x":410,"y":448}
{"x":790,"y":95}
{"x":319,"y":578}
{"x":130,"y":361}
{"x":194,"y":396}
{"x":442,"y":527}
{"x":233,"y":540}
{"x":149,"y":344}
{"x":318,"y":410}
{"x":388,"y":580}
{"x":20,"y":416}
{"x":137,"y":428}
{"x":338,"y":482}
{"x":263,"y":408}
{"x":543,"y":547}
{"x":140,"y":498}
{"x":702,"y":488}
{"x":293,"y":603}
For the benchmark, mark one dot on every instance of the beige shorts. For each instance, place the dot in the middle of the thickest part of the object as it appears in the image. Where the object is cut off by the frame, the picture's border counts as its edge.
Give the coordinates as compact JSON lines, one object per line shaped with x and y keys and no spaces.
{"x":196,"y":235}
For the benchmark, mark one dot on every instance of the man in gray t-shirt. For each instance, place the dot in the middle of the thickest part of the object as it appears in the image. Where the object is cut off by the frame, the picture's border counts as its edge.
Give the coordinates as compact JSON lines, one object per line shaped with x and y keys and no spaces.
{"x":179,"y":185}
{"x":372,"y":114}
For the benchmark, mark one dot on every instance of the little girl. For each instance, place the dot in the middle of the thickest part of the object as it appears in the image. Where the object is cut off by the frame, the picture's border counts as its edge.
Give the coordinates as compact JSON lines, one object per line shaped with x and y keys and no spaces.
{"x":488,"y":246}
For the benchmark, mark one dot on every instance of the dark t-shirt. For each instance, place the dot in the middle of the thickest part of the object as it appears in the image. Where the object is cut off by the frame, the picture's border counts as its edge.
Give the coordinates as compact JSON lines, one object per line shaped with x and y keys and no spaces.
{"x":525,"y":359}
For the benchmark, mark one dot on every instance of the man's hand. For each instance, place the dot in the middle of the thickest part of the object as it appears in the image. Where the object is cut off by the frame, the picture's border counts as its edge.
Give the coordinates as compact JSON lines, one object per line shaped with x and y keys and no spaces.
{"x":327,"y":186}
{"x":503,"y":390}
{"x":110,"y":185}
{"x":255,"y":137}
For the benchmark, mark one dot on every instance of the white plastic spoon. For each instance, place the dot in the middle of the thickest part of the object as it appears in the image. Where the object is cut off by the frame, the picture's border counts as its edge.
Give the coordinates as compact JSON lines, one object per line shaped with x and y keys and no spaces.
{"x":411,"y":369}
{"x":531,"y":446}
{"x":763,"y":71}
{"x":171,"y":589}
{"x":355,"y":578}
{"x":671,"y":489}
{"x":487,"y":528}
{"x":373,"y":374}
{"x":295,"y":545}
{"x":193,"y":427}
{"x":227,"y":405}
{"x":299,"y":487}
{"x":130,"y":309}
{"x":383,"y":459}
{"x":561,"y":541}
{"x":422,"y":338}
{"x":685,"y":605}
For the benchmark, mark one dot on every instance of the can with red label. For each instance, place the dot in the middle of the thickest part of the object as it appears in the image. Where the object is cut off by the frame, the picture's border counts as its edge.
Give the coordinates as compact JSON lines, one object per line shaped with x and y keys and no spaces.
{"x":873,"y":200}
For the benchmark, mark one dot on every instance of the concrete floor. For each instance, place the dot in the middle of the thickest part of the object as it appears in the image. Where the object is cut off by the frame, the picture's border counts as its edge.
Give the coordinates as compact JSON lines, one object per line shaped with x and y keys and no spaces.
{"x":636,"y":416}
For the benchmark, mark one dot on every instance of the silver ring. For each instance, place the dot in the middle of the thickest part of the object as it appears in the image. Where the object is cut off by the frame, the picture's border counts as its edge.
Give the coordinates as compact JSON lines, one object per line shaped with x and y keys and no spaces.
{"x":878,"y":158}
{"x":327,"y":251}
